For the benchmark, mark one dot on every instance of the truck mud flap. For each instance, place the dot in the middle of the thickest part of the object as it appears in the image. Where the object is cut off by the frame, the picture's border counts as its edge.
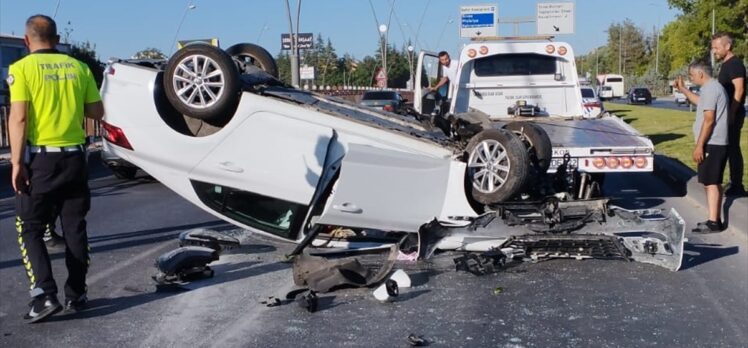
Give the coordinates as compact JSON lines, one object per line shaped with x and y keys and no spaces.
{"x":651,"y":236}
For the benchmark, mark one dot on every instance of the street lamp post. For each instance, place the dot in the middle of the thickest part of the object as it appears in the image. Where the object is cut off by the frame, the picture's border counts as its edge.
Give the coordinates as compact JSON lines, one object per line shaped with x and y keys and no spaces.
{"x":657,"y":39}
{"x":410,"y":66}
{"x":383,"y":31}
{"x":597,"y":63}
{"x":657,"y":51}
{"x":711,"y":53}
{"x":189,"y":7}
{"x":620,"y":48}
{"x":294,"y":43}
{"x":262,"y":31}
{"x":444,"y":28}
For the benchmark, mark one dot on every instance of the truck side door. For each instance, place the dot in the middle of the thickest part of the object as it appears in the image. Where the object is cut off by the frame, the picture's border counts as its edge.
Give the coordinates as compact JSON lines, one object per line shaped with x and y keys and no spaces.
{"x":428,"y":72}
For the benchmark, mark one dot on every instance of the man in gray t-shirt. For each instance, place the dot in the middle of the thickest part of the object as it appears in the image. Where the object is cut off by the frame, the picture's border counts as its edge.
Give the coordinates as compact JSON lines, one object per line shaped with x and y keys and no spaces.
{"x":710,"y":132}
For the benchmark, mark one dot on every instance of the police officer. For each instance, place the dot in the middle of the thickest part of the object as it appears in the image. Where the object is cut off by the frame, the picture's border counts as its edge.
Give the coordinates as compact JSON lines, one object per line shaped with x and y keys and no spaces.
{"x":50,"y":93}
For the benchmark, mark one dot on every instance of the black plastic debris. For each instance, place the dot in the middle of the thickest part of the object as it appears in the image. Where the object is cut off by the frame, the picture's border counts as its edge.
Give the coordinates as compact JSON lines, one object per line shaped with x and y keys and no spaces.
{"x":392,"y":288}
{"x":272,"y":302}
{"x":308,"y":301}
{"x":207,"y":238}
{"x":323,"y":274}
{"x":185,"y":264}
{"x":481,"y":264}
{"x":417,"y":341}
{"x":388,"y":291}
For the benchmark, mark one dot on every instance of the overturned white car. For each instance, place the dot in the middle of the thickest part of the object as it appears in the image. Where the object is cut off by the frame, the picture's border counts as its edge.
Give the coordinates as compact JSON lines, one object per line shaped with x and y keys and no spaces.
{"x":219,"y":129}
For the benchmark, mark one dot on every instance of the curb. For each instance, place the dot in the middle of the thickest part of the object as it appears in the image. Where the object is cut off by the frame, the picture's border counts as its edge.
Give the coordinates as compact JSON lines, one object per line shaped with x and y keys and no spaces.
{"x":683,"y":179}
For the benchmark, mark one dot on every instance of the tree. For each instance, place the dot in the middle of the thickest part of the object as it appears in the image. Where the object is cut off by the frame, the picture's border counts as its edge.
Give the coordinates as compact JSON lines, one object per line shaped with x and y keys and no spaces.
{"x":149,"y":53}
{"x":627,"y":50}
{"x":86,"y":53}
{"x":688,"y":37}
{"x":283,"y":62}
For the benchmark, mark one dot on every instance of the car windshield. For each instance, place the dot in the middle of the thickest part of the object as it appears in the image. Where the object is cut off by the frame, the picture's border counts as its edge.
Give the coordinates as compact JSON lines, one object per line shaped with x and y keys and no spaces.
{"x":515,"y":64}
{"x":587,"y":93}
{"x":379,"y":96}
{"x":614,"y":79}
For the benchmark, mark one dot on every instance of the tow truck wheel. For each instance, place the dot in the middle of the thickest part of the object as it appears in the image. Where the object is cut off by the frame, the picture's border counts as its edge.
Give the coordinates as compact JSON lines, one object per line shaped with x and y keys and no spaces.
{"x":250,"y":54}
{"x":201,"y":81}
{"x":537,"y":142}
{"x":498,"y":166}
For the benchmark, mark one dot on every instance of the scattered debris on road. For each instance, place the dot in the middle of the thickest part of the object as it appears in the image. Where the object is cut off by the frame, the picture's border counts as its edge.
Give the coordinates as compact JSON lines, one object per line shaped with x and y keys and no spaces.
{"x":417,"y":341}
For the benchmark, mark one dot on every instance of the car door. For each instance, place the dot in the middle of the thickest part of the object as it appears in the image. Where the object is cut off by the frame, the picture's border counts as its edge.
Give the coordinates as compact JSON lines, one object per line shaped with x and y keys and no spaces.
{"x":428,"y":72}
{"x":395,"y":191}
{"x":263,"y":175}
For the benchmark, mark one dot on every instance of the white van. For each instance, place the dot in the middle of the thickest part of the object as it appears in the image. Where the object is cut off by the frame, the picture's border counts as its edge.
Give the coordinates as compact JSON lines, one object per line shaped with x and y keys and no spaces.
{"x":615,"y":82}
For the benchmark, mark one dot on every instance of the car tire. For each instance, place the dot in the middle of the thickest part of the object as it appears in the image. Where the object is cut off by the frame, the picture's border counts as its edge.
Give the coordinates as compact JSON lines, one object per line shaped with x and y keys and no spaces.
{"x":124,"y":173}
{"x":536,"y":141}
{"x":208,"y":91}
{"x":487,"y":150}
{"x":256,"y":55}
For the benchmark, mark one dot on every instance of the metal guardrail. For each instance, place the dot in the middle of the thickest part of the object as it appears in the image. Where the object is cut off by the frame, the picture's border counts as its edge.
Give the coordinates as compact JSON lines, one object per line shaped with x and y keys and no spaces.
{"x":93,"y":128}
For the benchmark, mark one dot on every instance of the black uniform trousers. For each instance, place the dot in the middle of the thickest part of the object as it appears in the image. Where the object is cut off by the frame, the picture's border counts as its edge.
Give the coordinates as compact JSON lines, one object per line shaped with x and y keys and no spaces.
{"x":57,"y":179}
{"x":734,"y":155}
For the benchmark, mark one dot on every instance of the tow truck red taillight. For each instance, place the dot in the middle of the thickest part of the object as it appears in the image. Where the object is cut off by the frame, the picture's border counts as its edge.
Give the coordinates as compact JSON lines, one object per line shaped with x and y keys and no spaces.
{"x":593,"y":105}
{"x":599,"y":163}
{"x":612,"y":162}
{"x":616,"y":162}
{"x":641,"y":162}
{"x":115,"y":135}
{"x":626,"y":162}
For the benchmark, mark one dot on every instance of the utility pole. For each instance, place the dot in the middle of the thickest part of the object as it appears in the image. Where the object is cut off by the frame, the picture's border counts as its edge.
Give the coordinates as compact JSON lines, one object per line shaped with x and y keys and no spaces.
{"x":294,"y":43}
{"x":657,"y":52}
{"x":597,"y":63}
{"x":620,"y":48}
{"x":383,"y":29}
{"x":711,"y":53}
{"x":190,"y":6}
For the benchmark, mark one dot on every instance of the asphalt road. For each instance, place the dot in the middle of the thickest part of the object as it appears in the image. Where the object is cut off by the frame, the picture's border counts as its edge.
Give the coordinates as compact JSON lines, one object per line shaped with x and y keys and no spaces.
{"x":548,"y":304}
{"x":661,"y":102}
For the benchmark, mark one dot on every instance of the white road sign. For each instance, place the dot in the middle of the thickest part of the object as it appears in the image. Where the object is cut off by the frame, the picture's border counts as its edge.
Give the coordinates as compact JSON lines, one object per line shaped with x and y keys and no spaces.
{"x":555,"y":18}
{"x":306,"y":72}
{"x":478,"y":20}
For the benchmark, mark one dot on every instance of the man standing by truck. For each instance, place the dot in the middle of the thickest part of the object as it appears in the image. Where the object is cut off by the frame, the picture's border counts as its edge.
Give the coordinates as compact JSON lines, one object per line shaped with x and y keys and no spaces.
{"x":732,"y":78}
{"x":710,"y":131}
{"x":449,"y":69}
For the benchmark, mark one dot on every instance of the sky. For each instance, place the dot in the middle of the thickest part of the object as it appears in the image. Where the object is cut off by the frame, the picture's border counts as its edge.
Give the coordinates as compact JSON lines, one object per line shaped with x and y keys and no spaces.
{"x":121,"y":28}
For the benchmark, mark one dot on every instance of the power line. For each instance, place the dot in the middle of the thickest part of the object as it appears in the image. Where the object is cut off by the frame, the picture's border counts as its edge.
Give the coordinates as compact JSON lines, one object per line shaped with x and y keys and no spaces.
{"x":420,"y":23}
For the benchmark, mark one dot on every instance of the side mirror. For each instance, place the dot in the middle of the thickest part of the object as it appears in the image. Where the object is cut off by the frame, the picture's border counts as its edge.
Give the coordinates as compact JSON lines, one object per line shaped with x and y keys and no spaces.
{"x":405,"y":100}
{"x":558,"y":77}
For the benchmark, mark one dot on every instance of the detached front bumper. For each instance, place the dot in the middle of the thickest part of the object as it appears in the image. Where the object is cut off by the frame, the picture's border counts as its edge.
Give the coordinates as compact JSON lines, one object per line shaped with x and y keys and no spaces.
{"x":648,"y":235}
